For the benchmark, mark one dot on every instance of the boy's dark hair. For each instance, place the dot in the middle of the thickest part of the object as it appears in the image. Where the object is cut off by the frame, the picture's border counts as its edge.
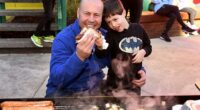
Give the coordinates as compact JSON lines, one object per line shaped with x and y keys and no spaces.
{"x":112,"y":7}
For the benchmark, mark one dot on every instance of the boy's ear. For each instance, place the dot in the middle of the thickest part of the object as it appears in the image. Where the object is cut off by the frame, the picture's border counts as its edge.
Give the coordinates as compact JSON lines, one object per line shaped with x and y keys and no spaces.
{"x":124,"y":13}
{"x":77,"y":13}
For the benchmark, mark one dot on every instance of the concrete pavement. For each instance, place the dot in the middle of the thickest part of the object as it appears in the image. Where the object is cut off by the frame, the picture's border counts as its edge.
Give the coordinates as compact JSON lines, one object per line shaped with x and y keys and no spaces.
{"x":23,"y":75}
{"x":172,"y":69}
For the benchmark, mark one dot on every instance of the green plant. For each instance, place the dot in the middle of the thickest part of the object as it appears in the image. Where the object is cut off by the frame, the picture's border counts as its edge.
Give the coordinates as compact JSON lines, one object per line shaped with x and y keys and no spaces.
{"x":72,"y":6}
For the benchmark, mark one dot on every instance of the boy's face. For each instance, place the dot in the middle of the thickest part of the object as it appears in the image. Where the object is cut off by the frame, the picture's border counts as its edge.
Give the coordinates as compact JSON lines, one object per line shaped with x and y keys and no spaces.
{"x":117,"y":22}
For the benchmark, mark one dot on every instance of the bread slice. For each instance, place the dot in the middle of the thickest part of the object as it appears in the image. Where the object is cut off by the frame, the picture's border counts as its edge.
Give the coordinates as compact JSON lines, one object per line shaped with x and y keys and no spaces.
{"x":85,"y":32}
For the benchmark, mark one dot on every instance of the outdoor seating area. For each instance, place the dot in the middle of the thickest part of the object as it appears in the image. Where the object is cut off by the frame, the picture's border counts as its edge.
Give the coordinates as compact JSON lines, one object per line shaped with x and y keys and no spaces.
{"x":172,"y":68}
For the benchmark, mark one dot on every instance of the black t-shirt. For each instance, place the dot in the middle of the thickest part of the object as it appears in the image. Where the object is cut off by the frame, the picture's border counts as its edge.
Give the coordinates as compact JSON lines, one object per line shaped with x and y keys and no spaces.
{"x":133,"y":37}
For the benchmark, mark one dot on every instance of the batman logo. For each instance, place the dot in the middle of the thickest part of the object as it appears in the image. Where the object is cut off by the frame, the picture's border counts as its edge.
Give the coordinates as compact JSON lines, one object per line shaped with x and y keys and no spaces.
{"x":130,"y":45}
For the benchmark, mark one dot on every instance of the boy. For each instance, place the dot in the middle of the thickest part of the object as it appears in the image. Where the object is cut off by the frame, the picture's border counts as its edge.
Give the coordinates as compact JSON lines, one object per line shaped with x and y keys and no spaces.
{"x":128,"y":44}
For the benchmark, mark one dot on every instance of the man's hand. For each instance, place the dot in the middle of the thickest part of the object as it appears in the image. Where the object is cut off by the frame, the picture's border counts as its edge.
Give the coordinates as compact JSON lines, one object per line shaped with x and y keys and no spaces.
{"x":84,"y":48}
{"x":140,"y":82}
{"x":139,"y":56}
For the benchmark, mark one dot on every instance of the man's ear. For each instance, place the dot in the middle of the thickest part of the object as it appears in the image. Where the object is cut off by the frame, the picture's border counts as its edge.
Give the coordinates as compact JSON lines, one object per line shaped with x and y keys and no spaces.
{"x":77,"y":13}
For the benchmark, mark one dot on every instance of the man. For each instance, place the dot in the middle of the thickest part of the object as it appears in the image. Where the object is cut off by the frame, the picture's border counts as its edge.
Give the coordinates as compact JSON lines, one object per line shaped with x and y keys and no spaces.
{"x":74,"y":68}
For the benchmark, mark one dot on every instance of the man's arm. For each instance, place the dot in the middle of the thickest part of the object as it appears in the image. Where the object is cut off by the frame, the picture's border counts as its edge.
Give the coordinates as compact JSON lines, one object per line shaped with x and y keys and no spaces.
{"x":65,"y":65}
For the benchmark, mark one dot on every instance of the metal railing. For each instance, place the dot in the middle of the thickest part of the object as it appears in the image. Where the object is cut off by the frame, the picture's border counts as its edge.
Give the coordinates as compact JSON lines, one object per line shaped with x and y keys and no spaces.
{"x":61,"y":14}
{"x":2,"y":18}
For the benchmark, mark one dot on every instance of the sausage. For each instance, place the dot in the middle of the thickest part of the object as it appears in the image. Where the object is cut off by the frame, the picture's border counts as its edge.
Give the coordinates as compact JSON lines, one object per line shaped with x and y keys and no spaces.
{"x":26,"y":104}
{"x":28,"y":108}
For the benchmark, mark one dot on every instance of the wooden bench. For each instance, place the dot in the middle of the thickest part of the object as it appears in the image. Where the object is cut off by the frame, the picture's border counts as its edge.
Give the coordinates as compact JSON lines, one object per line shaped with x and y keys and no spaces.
{"x":154,"y":24}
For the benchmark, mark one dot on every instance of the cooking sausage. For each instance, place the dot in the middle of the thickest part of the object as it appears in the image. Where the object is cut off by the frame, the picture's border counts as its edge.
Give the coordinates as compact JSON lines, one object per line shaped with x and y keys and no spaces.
{"x":26,"y":104}
{"x":29,"y":108}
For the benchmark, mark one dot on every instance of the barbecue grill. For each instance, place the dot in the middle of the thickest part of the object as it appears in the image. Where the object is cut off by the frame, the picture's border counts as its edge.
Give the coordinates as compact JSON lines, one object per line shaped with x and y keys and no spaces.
{"x":85,"y":103}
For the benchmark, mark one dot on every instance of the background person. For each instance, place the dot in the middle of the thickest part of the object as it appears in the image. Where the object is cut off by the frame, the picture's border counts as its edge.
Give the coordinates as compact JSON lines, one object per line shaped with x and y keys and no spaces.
{"x":135,"y":7}
{"x":165,"y":8}
{"x":189,"y":7}
{"x":45,"y":23}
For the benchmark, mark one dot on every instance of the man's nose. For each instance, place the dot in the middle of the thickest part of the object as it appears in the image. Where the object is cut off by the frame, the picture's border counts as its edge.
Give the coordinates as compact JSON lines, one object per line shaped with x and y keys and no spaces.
{"x":91,"y":18}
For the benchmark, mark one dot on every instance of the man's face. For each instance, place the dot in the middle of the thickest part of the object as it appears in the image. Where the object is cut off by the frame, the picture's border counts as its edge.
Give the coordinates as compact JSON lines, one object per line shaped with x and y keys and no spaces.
{"x":90,"y":13}
{"x":116,"y":22}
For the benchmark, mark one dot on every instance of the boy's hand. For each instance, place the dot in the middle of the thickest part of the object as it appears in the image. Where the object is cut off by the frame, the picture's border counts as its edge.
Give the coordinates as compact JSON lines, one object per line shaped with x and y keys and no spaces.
{"x":139,"y":56}
{"x":140,"y":82}
{"x":99,"y":43}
